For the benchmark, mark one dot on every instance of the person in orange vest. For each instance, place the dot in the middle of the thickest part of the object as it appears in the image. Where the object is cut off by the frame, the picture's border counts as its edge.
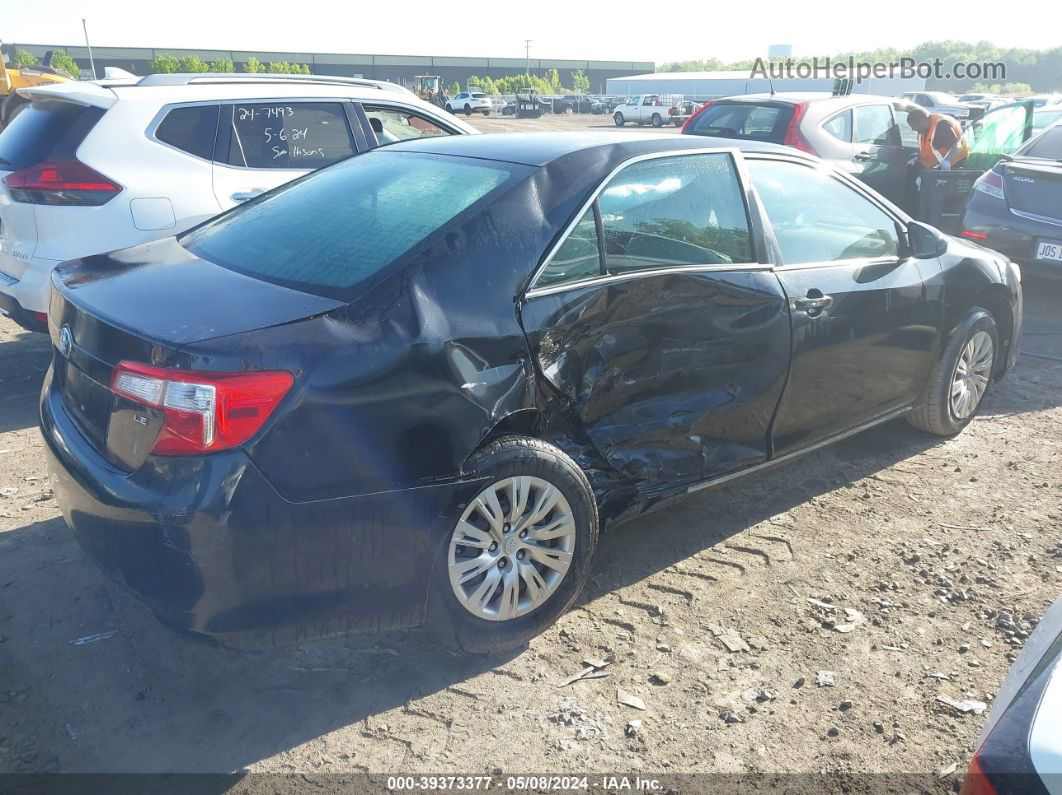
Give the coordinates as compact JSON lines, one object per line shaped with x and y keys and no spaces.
{"x":941,"y":143}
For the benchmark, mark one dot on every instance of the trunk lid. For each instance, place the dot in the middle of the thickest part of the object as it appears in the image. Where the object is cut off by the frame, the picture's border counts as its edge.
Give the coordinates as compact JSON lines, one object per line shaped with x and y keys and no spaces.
{"x":142,"y":304}
{"x":1034,"y":187}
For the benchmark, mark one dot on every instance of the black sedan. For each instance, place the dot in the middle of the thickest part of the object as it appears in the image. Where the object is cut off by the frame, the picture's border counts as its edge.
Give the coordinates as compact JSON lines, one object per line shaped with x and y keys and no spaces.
{"x":1016,"y":207}
{"x":410,"y":388}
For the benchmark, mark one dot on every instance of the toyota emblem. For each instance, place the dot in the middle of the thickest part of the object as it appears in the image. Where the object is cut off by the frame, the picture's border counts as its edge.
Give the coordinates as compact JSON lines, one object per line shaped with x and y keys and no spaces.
{"x":66,"y":340}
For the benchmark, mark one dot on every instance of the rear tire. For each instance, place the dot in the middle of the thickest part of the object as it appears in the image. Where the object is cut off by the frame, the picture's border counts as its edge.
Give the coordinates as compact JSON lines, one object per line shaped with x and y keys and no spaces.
{"x":960,"y":378}
{"x":569,"y":528}
{"x":657,"y":120}
{"x":618,"y":119}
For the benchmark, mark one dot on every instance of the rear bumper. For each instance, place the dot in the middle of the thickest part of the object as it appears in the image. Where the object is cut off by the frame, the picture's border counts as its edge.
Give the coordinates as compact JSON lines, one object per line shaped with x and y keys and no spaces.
{"x":11,"y":308}
{"x":30,"y":290}
{"x":210,"y":546}
{"x":1011,"y":235}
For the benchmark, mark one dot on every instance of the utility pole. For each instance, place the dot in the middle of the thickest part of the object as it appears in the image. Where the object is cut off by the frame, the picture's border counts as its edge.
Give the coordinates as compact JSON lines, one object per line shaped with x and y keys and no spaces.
{"x":527,"y":56}
{"x":92,"y":63}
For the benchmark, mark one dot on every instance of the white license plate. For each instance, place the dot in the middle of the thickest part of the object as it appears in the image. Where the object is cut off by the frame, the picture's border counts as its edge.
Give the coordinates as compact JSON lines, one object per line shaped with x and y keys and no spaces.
{"x":1049,"y":250}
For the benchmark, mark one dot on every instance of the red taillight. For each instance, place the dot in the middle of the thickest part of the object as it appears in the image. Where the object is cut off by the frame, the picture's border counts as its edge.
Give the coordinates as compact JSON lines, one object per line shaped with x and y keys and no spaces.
{"x":203,"y":412}
{"x":974,"y":235}
{"x":793,"y":136}
{"x":976,"y":782}
{"x":61,"y":182}
{"x":689,"y":121}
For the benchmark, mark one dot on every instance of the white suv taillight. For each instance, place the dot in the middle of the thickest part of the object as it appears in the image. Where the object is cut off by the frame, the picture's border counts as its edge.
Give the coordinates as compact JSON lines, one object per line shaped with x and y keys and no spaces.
{"x":61,"y":182}
{"x":204,"y":412}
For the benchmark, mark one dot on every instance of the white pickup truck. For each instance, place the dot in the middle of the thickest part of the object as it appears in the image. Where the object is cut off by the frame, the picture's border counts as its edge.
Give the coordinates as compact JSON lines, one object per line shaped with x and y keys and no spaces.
{"x":654,"y":109}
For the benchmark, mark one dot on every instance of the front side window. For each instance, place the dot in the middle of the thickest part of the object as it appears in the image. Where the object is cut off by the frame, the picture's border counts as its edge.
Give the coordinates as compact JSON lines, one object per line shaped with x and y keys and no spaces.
{"x":672,"y":211}
{"x":331,"y":230}
{"x":297,"y":135}
{"x":817,"y":218}
{"x":873,"y":124}
{"x":392,"y":125}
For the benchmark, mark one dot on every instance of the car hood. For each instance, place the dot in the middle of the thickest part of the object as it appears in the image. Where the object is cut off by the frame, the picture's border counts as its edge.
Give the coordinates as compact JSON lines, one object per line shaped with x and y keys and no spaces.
{"x":160,"y":291}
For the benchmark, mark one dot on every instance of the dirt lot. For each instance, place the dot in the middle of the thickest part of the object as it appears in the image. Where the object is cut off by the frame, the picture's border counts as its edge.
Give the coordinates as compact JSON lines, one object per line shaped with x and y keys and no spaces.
{"x":928,"y":561}
{"x":583,"y":121}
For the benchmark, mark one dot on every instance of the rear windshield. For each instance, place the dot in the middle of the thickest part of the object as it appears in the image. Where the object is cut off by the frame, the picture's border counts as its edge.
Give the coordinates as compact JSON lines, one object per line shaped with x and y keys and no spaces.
{"x":331,"y":230}
{"x":1047,"y":145}
{"x":478,"y":95}
{"x":45,"y":131}
{"x":744,"y":120}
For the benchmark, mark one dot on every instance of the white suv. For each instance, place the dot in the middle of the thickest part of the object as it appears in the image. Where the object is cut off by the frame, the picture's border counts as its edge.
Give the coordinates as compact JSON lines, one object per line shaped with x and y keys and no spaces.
{"x":90,"y":167}
{"x":469,"y":102}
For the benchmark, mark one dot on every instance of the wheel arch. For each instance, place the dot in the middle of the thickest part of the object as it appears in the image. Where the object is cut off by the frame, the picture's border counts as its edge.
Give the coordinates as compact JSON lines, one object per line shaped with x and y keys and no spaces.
{"x":995,"y":299}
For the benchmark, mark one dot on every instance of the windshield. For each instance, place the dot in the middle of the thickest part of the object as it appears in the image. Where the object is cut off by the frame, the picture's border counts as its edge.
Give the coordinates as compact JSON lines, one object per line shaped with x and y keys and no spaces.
{"x":941,"y":98}
{"x":1048,"y":145}
{"x":331,"y":230}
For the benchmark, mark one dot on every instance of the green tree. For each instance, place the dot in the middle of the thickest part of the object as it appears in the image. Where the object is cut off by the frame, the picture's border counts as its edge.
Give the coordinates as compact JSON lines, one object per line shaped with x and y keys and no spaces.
{"x":223,"y":64}
{"x":164,"y":64}
{"x":193,"y":63}
{"x":580,"y":82}
{"x":454,"y":89}
{"x":61,"y":60}
{"x":253,"y":65}
{"x":25,"y":58}
{"x":554,"y":82}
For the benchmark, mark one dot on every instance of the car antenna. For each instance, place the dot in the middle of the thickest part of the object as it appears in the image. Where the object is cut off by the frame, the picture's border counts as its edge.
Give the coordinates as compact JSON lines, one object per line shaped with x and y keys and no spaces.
{"x":770,"y":83}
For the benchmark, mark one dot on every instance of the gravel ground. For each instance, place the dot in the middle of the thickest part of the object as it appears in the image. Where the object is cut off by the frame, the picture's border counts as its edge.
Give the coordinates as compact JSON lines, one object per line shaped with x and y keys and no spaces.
{"x":804,"y":620}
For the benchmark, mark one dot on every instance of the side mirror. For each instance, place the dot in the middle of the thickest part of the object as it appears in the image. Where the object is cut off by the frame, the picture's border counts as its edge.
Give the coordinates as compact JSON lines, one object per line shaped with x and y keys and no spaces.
{"x":926,"y":242}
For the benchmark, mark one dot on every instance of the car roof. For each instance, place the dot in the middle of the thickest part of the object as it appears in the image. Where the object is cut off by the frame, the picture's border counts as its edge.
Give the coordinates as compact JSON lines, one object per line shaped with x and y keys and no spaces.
{"x":542,"y":148}
{"x":166,"y":88}
{"x":793,"y":97}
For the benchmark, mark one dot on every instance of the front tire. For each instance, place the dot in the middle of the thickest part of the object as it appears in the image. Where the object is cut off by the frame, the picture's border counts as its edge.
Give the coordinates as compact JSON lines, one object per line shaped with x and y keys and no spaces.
{"x":519,"y":552}
{"x":960,"y":378}
{"x":468,"y":110}
{"x":449,"y":108}
{"x":657,"y":120}
{"x":619,"y":120}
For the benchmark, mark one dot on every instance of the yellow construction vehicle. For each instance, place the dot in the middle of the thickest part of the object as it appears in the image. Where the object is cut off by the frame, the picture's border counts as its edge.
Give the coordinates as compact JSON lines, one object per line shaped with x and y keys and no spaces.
{"x":13,"y":78}
{"x":427,"y":87}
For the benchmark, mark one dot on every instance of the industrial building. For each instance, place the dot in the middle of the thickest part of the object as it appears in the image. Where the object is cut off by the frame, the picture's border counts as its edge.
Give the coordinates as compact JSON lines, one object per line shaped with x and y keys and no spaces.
{"x":701,"y":86}
{"x":396,"y":68}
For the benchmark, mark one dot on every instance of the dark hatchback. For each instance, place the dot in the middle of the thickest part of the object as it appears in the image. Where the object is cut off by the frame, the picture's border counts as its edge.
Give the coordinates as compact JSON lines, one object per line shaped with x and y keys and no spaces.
{"x":1016,"y":207}
{"x":410,"y":388}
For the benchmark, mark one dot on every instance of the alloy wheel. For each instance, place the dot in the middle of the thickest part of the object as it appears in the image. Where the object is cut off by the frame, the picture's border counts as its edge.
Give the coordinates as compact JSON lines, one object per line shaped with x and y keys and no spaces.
{"x":972,"y":373}
{"x":511,"y":548}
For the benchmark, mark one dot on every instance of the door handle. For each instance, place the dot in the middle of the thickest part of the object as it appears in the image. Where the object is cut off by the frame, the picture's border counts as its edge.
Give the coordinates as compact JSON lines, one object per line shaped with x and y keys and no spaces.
{"x":813,"y":303}
{"x":244,"y":195}
{"x":863,"y":156}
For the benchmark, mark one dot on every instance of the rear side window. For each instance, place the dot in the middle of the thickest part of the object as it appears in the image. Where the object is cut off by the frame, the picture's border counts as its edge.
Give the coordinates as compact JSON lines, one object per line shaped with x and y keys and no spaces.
{"x":674,"y":211}
{"x":46,"y":131}
{"x":578,"y":258}
{"x":1048,"y":145}
{"x":840,"y":126}
{"x":300,"y":135}
{"x":190,"y":129}
{"x":333,"y":229}
{"x":744,"y":120}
